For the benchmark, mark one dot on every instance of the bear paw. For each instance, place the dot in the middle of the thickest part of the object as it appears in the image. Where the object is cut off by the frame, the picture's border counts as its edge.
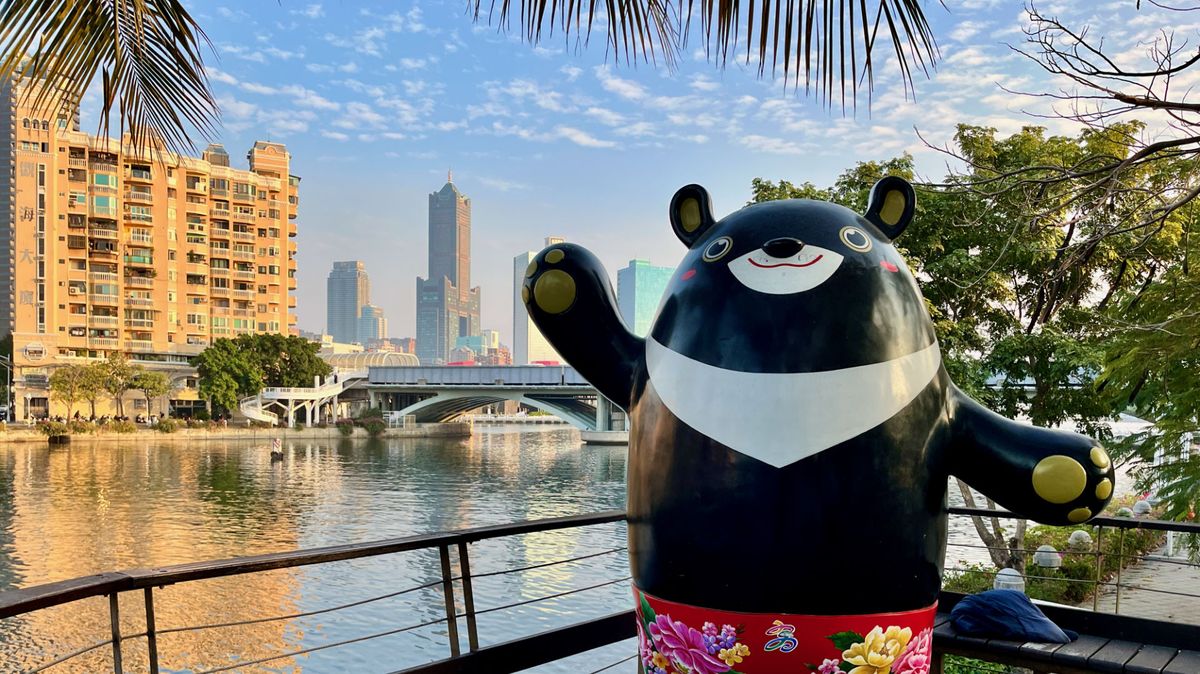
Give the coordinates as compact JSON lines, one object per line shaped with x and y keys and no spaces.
{"x":1077,"y":488}
{"x":549,"y":285}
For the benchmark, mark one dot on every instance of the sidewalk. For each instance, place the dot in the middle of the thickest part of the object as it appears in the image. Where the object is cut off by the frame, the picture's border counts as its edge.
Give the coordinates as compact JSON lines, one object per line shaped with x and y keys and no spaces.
{"x":1156,"y":572}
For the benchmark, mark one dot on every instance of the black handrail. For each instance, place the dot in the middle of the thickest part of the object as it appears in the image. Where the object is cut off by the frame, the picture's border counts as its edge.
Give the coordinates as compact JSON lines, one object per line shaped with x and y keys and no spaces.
{"x":1113,"y":522}
{"x":16,"y":602}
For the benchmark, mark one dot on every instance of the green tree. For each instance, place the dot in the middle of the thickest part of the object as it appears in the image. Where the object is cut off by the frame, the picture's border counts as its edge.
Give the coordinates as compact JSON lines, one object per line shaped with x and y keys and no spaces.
{"x":227,"y":373}
{"x":92,"y":386}
{"x":67,"y":384}
{"x":152,"y":385}
{"x":284,"y":360}
{"x":118,"y":379}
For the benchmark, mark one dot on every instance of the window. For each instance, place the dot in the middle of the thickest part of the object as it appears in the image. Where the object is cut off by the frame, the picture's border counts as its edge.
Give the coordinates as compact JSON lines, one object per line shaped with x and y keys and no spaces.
{"x":102,"y":202}
{"x":45,"y":126}
{"x":140,"y":213}
{"x":105,"y":179}
{"x":171,"y":254}
{"x":25,"y":123}
{"x":197,"y":319}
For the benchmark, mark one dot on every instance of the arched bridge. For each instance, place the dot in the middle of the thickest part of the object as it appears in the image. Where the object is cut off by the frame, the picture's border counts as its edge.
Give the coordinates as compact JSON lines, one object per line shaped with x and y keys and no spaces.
{"x":440,"y":393}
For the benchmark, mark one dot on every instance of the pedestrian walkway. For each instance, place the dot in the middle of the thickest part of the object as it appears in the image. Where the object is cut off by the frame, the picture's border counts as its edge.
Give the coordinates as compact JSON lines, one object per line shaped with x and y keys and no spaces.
{"x":1155,"y":588}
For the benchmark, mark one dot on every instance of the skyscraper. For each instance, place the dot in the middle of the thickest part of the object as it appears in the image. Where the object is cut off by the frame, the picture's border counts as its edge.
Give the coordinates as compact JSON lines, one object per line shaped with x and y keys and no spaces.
{"x":529,"y":346}
{"x":347,"y":290}
{"x":447,"y":305}
{"x":109,"y":248}
{"x":640,"y":288}
{"x":372,"y":326}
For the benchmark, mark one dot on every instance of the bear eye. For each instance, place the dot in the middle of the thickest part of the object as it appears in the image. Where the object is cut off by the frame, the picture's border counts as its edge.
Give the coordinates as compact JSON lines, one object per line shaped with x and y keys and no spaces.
{"x":717,"y":249}
{"x":856,"y":239}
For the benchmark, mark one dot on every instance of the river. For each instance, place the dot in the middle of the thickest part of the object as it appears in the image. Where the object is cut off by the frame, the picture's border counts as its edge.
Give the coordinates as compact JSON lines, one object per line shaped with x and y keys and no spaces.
{"x":102,"y":506}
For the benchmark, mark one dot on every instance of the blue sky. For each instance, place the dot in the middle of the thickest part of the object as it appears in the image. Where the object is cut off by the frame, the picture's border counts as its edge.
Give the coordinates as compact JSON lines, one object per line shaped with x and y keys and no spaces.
{"x":377,"y":100}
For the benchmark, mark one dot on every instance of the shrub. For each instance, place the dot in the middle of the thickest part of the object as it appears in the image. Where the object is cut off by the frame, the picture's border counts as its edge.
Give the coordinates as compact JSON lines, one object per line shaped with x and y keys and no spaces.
{"x":80,"y":427}
{"x":166,"y":426}
{"x":375,"y":427}
{"x":52,"y":429}
{"x":322,"y":424}
{"x":123,"y":427}
{"x":298,"y":426}
{"x":371,"y":413}
{"x":261,"y":424}
{"x":345,"y":426}
{"x":201,"y":415}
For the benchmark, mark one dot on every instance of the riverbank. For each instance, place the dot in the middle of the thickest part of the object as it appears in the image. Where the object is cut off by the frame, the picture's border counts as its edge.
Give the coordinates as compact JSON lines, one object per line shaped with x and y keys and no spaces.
{"x":453,"y":429}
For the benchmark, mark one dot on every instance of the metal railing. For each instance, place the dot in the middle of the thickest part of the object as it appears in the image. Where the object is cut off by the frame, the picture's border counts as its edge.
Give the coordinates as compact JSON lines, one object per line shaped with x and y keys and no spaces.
{"x":456,"y":588}
{"x":145,"y":581}
{"x":1125,"y":557}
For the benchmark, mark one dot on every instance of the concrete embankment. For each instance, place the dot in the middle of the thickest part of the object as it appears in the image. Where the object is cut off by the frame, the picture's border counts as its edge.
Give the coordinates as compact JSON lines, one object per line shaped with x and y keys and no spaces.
{"x":193,"y":435}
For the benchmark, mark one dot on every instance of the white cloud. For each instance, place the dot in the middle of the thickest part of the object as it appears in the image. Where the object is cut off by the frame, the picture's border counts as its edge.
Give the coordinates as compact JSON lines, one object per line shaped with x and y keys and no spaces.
{"x":243,"y":53}
{"x":313,"y":11}
{"x":605,"y":116}
{"x":621,"y":87}
{"x":232,"y":107}
{"x":413,"y":63}
{"x":769,"y":145}
{"x":308,"y":98}
{"x":966,"y":30}
{"x":357,"y":115}
{"x":637,"y":130}
{"x":582,"y":137}
{"x":335,"y":135}
{"x":503,"y":185}
{"x":702,"y":83}
{"x":220,"y":76}
{"x":571,"y":72}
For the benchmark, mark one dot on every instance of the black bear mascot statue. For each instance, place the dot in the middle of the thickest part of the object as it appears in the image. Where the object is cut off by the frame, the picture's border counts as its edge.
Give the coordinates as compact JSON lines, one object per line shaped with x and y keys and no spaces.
{"x":792,"y":432}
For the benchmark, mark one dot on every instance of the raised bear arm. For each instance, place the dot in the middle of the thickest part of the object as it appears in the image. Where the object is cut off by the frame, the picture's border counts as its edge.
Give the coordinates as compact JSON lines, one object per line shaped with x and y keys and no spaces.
{"x":1054,"y":477}
{"x":570,"y":299}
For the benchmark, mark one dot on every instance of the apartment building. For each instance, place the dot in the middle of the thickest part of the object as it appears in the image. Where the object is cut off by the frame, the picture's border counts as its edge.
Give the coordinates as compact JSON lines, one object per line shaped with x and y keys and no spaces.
{"x":105,"y":247}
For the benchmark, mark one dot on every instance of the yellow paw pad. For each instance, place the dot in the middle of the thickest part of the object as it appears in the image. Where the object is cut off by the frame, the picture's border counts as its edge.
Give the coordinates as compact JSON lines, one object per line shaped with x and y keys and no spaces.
{"x":1104,"y":489}
{"x":1099,"y":458}
{"x":1059,"y":479}
{"x":1079,"y":515}
{"x":554,"y":292}
{"x":531,"y":269}
{"x":525,"y":294}
{"x":555,"y":256}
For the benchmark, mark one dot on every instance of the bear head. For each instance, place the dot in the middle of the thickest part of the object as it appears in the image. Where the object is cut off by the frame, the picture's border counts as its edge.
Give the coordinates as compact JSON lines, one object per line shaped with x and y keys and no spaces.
{"x":794,"y":285}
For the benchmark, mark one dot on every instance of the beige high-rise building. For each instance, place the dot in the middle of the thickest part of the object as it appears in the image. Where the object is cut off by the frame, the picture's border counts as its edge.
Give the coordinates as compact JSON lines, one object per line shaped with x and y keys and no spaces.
{"x":104,"y":248}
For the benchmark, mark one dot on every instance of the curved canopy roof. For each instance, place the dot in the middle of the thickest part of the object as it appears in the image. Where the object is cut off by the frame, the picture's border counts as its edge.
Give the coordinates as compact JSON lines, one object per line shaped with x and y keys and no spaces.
{"x":365,"y":359}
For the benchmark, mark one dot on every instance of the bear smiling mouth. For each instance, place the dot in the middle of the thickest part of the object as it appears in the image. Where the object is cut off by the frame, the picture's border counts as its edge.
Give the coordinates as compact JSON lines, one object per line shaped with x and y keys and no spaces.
{"x":786,"y":264}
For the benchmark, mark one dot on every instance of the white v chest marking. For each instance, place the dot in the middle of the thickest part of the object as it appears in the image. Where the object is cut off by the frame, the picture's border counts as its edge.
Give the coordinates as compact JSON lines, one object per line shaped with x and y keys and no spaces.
{"x":780,"y":418}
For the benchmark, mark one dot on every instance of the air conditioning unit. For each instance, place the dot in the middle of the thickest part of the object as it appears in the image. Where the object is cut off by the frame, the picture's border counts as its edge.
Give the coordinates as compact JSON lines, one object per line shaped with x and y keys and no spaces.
{"x":74,"y":291}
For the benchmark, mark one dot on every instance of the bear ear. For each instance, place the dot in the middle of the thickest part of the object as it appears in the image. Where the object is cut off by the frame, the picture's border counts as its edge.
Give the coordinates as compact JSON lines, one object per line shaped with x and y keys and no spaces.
{"x":691,"y":213}
{"x":891,"y":205}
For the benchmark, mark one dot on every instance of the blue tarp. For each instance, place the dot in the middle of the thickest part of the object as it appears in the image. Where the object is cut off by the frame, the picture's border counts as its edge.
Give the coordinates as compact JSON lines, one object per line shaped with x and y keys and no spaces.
{"x":1006,"y":614}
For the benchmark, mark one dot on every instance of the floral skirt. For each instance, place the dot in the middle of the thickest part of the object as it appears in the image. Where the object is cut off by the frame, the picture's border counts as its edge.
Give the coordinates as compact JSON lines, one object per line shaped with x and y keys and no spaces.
{"x":680,"y":639}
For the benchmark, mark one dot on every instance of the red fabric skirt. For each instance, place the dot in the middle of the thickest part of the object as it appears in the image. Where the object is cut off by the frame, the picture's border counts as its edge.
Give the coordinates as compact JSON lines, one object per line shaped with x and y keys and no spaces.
{"x":681,"y":639}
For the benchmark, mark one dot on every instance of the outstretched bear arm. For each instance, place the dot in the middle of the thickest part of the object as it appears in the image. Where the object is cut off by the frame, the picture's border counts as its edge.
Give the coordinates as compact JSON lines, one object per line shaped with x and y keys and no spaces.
{"x":570,"y":299}
{"x":1053,"y":477}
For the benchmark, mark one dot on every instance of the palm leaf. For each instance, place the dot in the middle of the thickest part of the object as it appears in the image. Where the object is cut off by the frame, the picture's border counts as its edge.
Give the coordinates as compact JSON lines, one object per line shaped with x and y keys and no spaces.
{"x":821,"y":42}
{"x":146,"y":55}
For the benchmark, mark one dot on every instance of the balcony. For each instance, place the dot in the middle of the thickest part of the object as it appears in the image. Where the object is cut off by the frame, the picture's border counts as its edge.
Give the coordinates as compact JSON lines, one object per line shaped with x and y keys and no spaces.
{"x":218,"y":331}
{"x":243,"y":254}
{"x":139,"y":260}
{"x":77,"y":162}
{"x":219,"y":233}
{"x":139,"y":281}
{"x":193,"y":207}
{"x":104,"y":211}
{"x":103,"y":166}
{"x":219,"y":292}
{"x":140,"y":197}
{"x":243,"y":313}
{"x":141,"y":323}
{"x":95,"y":321}
{"x":219,"y":192}
{"x":244,"y":197}
{"x":102,"y":277}
{"x":102,"y":190}
{"x":243,"y":294}
{"x":140,"y":239}
{"x":138,"y":218}
{"x":102,"y":233}
{"x":220,"y":212}
{"x":243,"y":236}
{"x":139,"y":176}
{"x":103,"y":342}
{"x":139,"y":302}
{"x":143,"y":345}
{"x":197,"y":187}
{"x":243,"y":275}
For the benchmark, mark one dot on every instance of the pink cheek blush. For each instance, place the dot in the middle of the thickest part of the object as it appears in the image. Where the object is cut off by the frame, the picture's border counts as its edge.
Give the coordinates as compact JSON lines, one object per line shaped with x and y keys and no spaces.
{"x":688,"y":274}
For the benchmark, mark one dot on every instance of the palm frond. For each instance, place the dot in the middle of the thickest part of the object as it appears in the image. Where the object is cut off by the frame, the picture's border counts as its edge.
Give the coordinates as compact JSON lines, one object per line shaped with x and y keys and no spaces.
{"x":825,"y":46}
{"x":146,"y":54}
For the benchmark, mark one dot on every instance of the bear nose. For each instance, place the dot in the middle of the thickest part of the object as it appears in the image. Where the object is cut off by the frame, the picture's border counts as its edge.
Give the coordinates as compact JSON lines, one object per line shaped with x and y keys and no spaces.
{"x":783,"y":247}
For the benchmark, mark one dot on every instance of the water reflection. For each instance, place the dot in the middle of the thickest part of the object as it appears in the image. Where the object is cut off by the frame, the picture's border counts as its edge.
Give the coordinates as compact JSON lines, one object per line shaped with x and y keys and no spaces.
{"x":88,"y":508}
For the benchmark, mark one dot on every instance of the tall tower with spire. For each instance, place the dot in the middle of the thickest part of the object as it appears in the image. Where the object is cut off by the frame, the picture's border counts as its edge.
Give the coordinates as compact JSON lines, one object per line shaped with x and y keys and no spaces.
{"x":447,"y":305}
